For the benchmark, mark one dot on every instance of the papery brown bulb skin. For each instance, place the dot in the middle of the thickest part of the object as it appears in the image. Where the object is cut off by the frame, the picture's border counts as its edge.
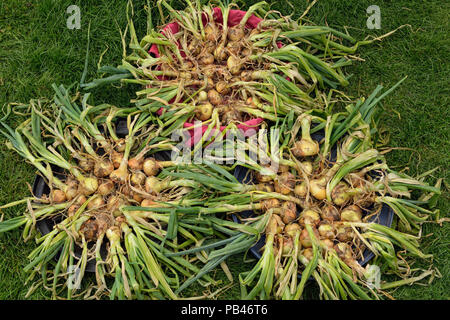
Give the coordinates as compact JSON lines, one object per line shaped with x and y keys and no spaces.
{"x":106,"y":188}
{"x":330,"y":213}
{"x":305,"y":239}
{"x":236,"y":33}
{"x":269,"y":204}
{"x":58,"y":196}
{"x":309,"y":216}
{"x":214,"y":97}
{"x":351,"y":213}
{"x":135,"y":163}
{"x":284,"y":183}
{"x":103,"y":168}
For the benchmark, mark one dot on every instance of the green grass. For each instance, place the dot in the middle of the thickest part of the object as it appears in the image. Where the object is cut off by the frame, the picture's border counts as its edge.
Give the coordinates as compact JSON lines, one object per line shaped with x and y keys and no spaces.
{"x":36,"y":49}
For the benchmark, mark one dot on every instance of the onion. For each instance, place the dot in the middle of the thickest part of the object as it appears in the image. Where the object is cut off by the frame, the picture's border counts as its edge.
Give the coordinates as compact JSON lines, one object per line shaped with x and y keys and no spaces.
{"x":317,"y":188}
{"x":233,"y":47}
{"x":136,"y":163}
{"x":282,"y":168}
{"x":308,"y":253}
{"x":344,"y":251}
{"x":106,"y":188}
{"x":204,"y":111}
{"x":351,"y":213}
{"x":264,"y":187}
{"x":137,"y":197}
{"x":88,"y":186}
{"x":327,"y":244}
{"x":219,"y":53}
{"x":103,"y":168}
{"x":120,"y":146}
{"x":202,"y":96}
{"x":148,"y":203}
{"x":214,"y":97}
{"x":246,"y":75}
{"x":236,"y":33}
{"x":306,"y":146}
{"x":95,"y":203}
{"x":58,"y":196}
{"x":288,"y":216}
{"x":269,"y":204}
{"x":150,"y":167}
{"x":72,"y":209}
{"x":309,"y":216}
{"x":207,"y":59}
{"x":211,"y":32}
{"x":288,"y":246}
{"x":292,"y":229}
{"x":326,"y":231}
{"x":153,"y":185}
{"x":72,"y":191}
{"x":339,"y":194}
{"x":264,"y":178}
{"x":137,"y":178}
{"x":301,"y":189}
{"x":89,"y":229}
{"x":344,"y":234}
{"x":305,"y":240}
{"x":307,"y":167}
{"x":234,"y":65}
{"x":222,"y":87}
{"x":116,"y":159}
{"x":119,"y":175}
{"x":275,"y":225}
{"x":253,"y":102}
{"x":284,"y":183}
{"x":86,"y":165}
{"x":114,"y":204}
{"x":330,"y":213}
{"x":246,"y":52}
{"x":81,"y":200}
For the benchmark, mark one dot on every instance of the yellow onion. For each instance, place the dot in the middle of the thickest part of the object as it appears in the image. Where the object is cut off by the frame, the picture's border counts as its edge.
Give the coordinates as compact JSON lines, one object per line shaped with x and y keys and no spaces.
{"x":106,"y":188}
{"x":137,"y":197}
{"x":204,"y":111}
{"x":344,"y":251}
{"x":86,"y":165}
{"x":88,"y":186}
{"x":89,"y":229}
{"x":307,"y":167}
{"x":120,"y":146}
{"x":264,"y":187}
{"x":308,"y":253}
{"x":263,"y":178}
{"x":207,"y":59}
{"x":330,"y":213}
{"x":284,"y":183}
{"x":150,"y":166}
{"x":58,"y":196}
{"x":275,"y":225}
{"x":236,"y":33}
{"x":116,"y":159}
{"x":306,"y":147}
{"x":327,"y":244}
{"x":339,"y":194}
{"x":344,"y":234}
{"x":282,"y":168}
{"x":269,"y":204}
{"x":317,"y":188}
{"x":233,"y":47}
{"x":72,"y":190}
{"x":114,"y":204}
{"x":309,"y":216}
{"x":72,"y":209}
{"x":80,"y":200}
{"x":222,"y":87}
{"x":214,"y":97}
{"x":246,"y":75}
{"x":119,"y":175}
{"x":136,"y":163}
{"x":219,"y":53}
{"x":292,"y":229}
{"x":148,"y":203}
{"x":103,"y":168}
{"x":137,"y":178}
{"x":246,"y":52}
{"x":326,"y":231}
{"x":351,"y":213}
{"x":288,"y":246}
{"x":95,"y":203}
{"x":305,"y":240}
{"x":211,"y":31}
{"x":202,"y":96}
{"x":153,"y":185}
{"x":301,"y":189}
{"x":234,"y":65}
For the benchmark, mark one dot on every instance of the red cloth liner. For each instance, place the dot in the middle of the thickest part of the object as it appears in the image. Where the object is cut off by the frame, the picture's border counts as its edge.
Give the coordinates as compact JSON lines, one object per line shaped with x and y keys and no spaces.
{"x":234,"y":18}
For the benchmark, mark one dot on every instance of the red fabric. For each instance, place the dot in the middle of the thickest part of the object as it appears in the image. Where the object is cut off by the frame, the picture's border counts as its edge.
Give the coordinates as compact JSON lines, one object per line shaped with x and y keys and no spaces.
{"x":234,"y":17}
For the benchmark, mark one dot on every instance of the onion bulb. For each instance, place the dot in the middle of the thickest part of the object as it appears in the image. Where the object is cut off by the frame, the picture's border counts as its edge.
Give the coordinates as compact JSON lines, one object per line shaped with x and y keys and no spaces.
{"x":309,"y":216}
{"x":103,"y":168}
{"x":88,"y":186}
{"x":317,"y":188}
{"x":214,"y":97}
{"x":211,"y":31}
{"x":202,"y":96}
{"x":204,"y":111}
{"x":275,"y":225}
{"x":269,"y":204}
{"x":137,"y":178}
{"x":148,"y":203}
{"x":351,"y":213}
{"x":288,"y":246}
{"x":308,"y":253}
{"x":222,"y":87}
{"x":344,"y":251}
{"x":284,"y":183}
{"x":264,"y":187}
{"x":307,"y":167}
{"x":292,"y":229}
{"x":86,"y":165}
{"x":106,"y":188}
{"x":236,"y":33}
{"x":234,"y":65}
{"x":344,"y":234}
{"x":301,"y":189}
{"x":306,"y":147}
{"x":136,"y":163}
{"x":150,"y":167}
{"x":120,"y":146}
{"x":305,"y":240}
{"x":330,"y":213}
{"x":326,"y":231}
{"x":89,"y":229}
{"x":119,"y":175}
{"x":339,"y":195}
{"x":207,"y":59}
{"x":58,"y":196}
{"x":116,"y":159}
{"x":72,"y":209}
{"x":327,"y":244}
{"x":95,"y":203}
{"x":153,"y":185}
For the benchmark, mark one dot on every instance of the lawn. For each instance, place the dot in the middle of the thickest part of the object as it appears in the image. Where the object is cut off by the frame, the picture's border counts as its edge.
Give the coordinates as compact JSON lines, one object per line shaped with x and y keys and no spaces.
{"x":37,"y":49}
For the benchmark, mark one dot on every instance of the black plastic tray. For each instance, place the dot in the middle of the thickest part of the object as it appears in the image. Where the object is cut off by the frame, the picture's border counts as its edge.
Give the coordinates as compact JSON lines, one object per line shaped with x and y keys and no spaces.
{"x":41,"y":188}
{"x":384,"y":217}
